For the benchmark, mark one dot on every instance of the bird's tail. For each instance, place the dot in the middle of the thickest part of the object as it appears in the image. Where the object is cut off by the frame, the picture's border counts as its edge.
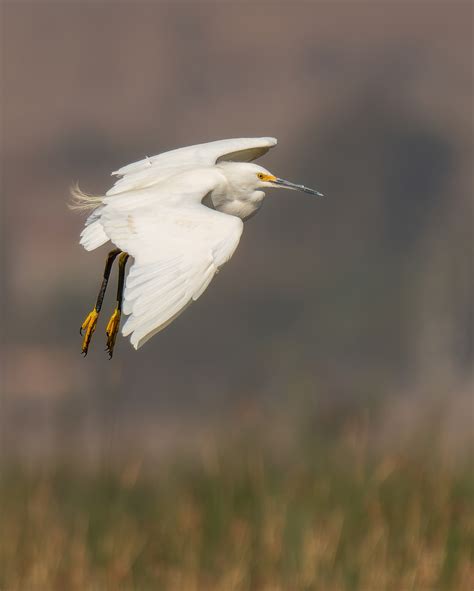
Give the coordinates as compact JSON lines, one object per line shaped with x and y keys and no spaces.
{"x":83,"y":201}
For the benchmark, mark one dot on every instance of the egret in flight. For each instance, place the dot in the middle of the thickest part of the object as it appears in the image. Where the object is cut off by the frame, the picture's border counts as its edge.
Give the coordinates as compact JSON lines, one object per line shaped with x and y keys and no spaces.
{"x":180,"y":216}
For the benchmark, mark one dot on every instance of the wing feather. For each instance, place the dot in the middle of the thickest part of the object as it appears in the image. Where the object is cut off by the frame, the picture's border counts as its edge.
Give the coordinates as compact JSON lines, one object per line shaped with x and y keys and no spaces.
{"x":93,"y":235}
{"x":177,"y":244}
{"x":149,"y":171}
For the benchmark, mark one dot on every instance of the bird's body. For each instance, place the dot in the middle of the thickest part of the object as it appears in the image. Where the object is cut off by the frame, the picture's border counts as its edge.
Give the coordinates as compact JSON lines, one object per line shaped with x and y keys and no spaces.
{"x":180,"y":216}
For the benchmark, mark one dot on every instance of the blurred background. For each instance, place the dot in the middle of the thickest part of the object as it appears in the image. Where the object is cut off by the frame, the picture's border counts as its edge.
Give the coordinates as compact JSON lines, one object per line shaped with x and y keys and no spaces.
{"x":308,"y":423}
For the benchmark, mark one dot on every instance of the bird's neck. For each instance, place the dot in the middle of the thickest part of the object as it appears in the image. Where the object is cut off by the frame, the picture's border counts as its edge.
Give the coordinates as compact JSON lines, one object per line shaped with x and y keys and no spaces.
{"x":237,"y":202}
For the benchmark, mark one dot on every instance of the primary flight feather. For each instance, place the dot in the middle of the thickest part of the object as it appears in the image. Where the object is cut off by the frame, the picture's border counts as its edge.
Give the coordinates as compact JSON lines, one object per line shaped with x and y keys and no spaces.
{"x":180,"y":216}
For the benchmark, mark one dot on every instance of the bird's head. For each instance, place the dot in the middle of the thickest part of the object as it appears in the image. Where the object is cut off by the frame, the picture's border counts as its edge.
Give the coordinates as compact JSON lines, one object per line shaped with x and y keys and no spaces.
{"x":252,"y":177}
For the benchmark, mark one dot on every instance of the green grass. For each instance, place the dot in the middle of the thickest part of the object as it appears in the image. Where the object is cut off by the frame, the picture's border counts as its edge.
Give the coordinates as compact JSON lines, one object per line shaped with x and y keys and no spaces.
{"x":328,"y":516}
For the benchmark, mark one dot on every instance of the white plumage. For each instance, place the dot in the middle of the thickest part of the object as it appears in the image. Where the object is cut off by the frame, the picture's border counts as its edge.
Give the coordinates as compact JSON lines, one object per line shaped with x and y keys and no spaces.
{"x":179,"y":215}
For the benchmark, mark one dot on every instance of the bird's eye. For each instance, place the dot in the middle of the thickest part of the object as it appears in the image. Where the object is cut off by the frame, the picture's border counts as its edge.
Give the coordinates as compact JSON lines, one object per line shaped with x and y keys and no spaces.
{"x":261,"y":176}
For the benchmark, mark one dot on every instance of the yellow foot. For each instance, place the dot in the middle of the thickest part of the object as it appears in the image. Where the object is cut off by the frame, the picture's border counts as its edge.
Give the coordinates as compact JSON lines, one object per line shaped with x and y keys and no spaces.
{"x":88,"y":325}
{"x":112,"y":331}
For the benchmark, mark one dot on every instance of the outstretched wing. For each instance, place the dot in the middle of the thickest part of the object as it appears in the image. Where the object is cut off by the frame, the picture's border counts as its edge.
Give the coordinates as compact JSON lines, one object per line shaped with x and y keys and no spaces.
{"x":149,"y":171}
{"x":177,"y":243}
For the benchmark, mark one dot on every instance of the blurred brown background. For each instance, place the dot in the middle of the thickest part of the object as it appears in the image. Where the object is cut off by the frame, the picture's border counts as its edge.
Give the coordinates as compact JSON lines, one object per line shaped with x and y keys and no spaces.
{"x":327,"y":304}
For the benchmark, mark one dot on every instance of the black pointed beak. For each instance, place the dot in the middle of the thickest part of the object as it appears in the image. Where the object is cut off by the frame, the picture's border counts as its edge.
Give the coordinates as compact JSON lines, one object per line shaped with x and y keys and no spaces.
{"x":295,"y":187}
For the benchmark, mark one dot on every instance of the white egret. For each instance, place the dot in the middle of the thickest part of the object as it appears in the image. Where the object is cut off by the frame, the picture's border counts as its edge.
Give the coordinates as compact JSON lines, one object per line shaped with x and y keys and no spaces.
{"x":180,"y":216}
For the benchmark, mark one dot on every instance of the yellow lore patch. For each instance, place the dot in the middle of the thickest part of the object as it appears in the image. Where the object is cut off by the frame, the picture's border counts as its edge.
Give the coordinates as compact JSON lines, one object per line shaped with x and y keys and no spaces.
{"x":266,"y":178}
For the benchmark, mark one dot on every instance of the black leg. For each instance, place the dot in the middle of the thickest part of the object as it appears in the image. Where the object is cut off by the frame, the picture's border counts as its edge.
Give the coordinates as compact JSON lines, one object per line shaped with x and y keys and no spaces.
{"x":121,"y":279}
{"x":90,"y":322}
{"x":108,"y":268}
{"x":114,"y":322}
